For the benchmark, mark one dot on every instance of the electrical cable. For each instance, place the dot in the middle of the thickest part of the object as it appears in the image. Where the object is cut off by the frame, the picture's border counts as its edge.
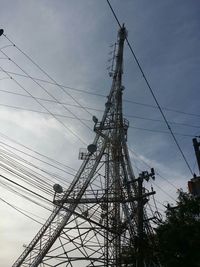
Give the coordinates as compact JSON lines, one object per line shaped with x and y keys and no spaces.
{"x":52,"y":83}
{"x":100,"y":95}
{"x":25,"y":188}
{"x":10,"y":159}
{"x":20,"y":211}
{"x":133,"y":127}
{"x":66,"y":127}
{"x":17,"y":192}
{"x":160,"y":131}
{"x":43,"y":71}
{"x":85,"y":107}
{"x":39,"y":154}
{"x":29,"y":176}
{"x":152,"y":93}
{"x":27,"y":154}
{"x":134,"y":153}
{"x":58,"y":102}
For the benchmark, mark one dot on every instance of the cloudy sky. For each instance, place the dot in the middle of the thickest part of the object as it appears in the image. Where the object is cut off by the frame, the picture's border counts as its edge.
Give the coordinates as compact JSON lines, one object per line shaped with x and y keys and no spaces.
{"x":71,"y":41}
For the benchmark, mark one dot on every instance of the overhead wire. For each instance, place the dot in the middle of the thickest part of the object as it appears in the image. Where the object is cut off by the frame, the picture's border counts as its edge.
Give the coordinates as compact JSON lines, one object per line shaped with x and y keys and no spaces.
{"x":27,"y":197}
{"x":32,"y":181}
{"x":79,"y":105}
{"x":28,"y":172}
{"x":20,"y":211}
{"x":85,"y":107}
{"x":160,"y":131}
{"x":157,"y":173}
{"x":101,"y":95}
{"x":152,"y":92}
{"x":52,"y":83}
{"x":132,"y":116}
{"x":65,"y":126}
{"x":145,"y":163}
{"x":171,"y":132}
{"x":44,"y":72}
{"x":29,"y":175}
{"x":39,"y":154}
{"x":25,"y":188}
{"x":132,"y":127}
{"x":29,"y":155}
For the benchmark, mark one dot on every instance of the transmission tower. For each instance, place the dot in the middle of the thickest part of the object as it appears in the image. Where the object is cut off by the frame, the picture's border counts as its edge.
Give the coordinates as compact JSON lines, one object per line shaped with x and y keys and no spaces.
{"x":101,"y":215}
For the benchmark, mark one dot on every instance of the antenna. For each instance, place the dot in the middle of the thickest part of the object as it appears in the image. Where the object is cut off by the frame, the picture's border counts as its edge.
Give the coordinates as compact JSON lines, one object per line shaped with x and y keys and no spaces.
{"x":102,"y":212}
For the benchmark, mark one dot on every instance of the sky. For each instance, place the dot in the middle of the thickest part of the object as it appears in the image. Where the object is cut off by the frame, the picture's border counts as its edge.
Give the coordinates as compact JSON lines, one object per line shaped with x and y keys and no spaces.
{"x":71,"y":41}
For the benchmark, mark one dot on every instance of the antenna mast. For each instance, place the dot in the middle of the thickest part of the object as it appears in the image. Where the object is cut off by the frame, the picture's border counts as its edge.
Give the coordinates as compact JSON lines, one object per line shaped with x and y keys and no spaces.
{"x":96,"y":219}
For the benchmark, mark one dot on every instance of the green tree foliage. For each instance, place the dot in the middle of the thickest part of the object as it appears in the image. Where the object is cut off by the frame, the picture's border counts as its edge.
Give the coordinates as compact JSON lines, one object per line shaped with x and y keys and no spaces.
{"x":178,"y":236}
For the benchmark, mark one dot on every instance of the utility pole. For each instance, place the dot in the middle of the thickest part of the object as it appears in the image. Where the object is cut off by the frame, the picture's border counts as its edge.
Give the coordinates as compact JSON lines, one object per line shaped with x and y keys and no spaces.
{"x":196,"y":145}
{"x":194,"y":183}
{"x":140,"y":260}
{"x":142,"y":200}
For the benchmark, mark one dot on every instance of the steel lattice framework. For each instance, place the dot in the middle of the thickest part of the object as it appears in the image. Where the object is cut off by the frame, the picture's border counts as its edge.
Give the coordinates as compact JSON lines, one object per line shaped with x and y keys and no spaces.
{"x":95,"y":219}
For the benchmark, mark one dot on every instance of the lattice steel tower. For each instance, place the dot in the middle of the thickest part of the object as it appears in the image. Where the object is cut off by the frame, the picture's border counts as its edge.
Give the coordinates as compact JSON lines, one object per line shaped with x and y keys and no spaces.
{"x":96,"y":218}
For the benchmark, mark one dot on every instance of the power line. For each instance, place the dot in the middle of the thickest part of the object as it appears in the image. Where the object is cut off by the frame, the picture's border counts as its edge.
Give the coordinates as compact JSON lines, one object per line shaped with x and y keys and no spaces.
{"x":160,"y":131}
{"x":43,"y":112}
{"x":138,"y":63}
{"x":132,"y":127}
{"x":44,"y":72}
{"x":95,"y":94}
{"x":39,"y":154}
{"x":20,"y":211}
{"x":28,"y":154}
{"x":152,"y":92}
{"x":25,"y":188}
{"x":166,"y":193}
{"x":134,"y":153}
{"x":66,"y":127}
{"x":18,"y":166}
{"x":164,"y":108}
{"x":85,"y":107}
{"x":52,"y":83}
{"x":17,"y":192}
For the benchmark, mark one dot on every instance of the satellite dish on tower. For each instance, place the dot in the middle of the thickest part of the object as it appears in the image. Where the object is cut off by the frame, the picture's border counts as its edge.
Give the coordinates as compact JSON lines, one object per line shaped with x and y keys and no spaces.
{"x":92,"y":148}
{"x":1,"y":31}
{"x":95,"y":120}
{"x":58,"y":188}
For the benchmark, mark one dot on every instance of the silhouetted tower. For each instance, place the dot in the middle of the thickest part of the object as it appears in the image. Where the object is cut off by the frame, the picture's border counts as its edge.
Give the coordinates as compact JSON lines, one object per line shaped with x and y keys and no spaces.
{"x":95,"y":220}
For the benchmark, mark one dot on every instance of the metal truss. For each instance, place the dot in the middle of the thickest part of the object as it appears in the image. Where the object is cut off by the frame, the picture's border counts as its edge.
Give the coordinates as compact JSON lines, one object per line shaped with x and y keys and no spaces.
{"x":95,"y":219}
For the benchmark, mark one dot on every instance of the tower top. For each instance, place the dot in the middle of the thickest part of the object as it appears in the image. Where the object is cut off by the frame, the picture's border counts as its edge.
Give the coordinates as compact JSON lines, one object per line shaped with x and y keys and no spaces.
{"x":122,"y":32}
